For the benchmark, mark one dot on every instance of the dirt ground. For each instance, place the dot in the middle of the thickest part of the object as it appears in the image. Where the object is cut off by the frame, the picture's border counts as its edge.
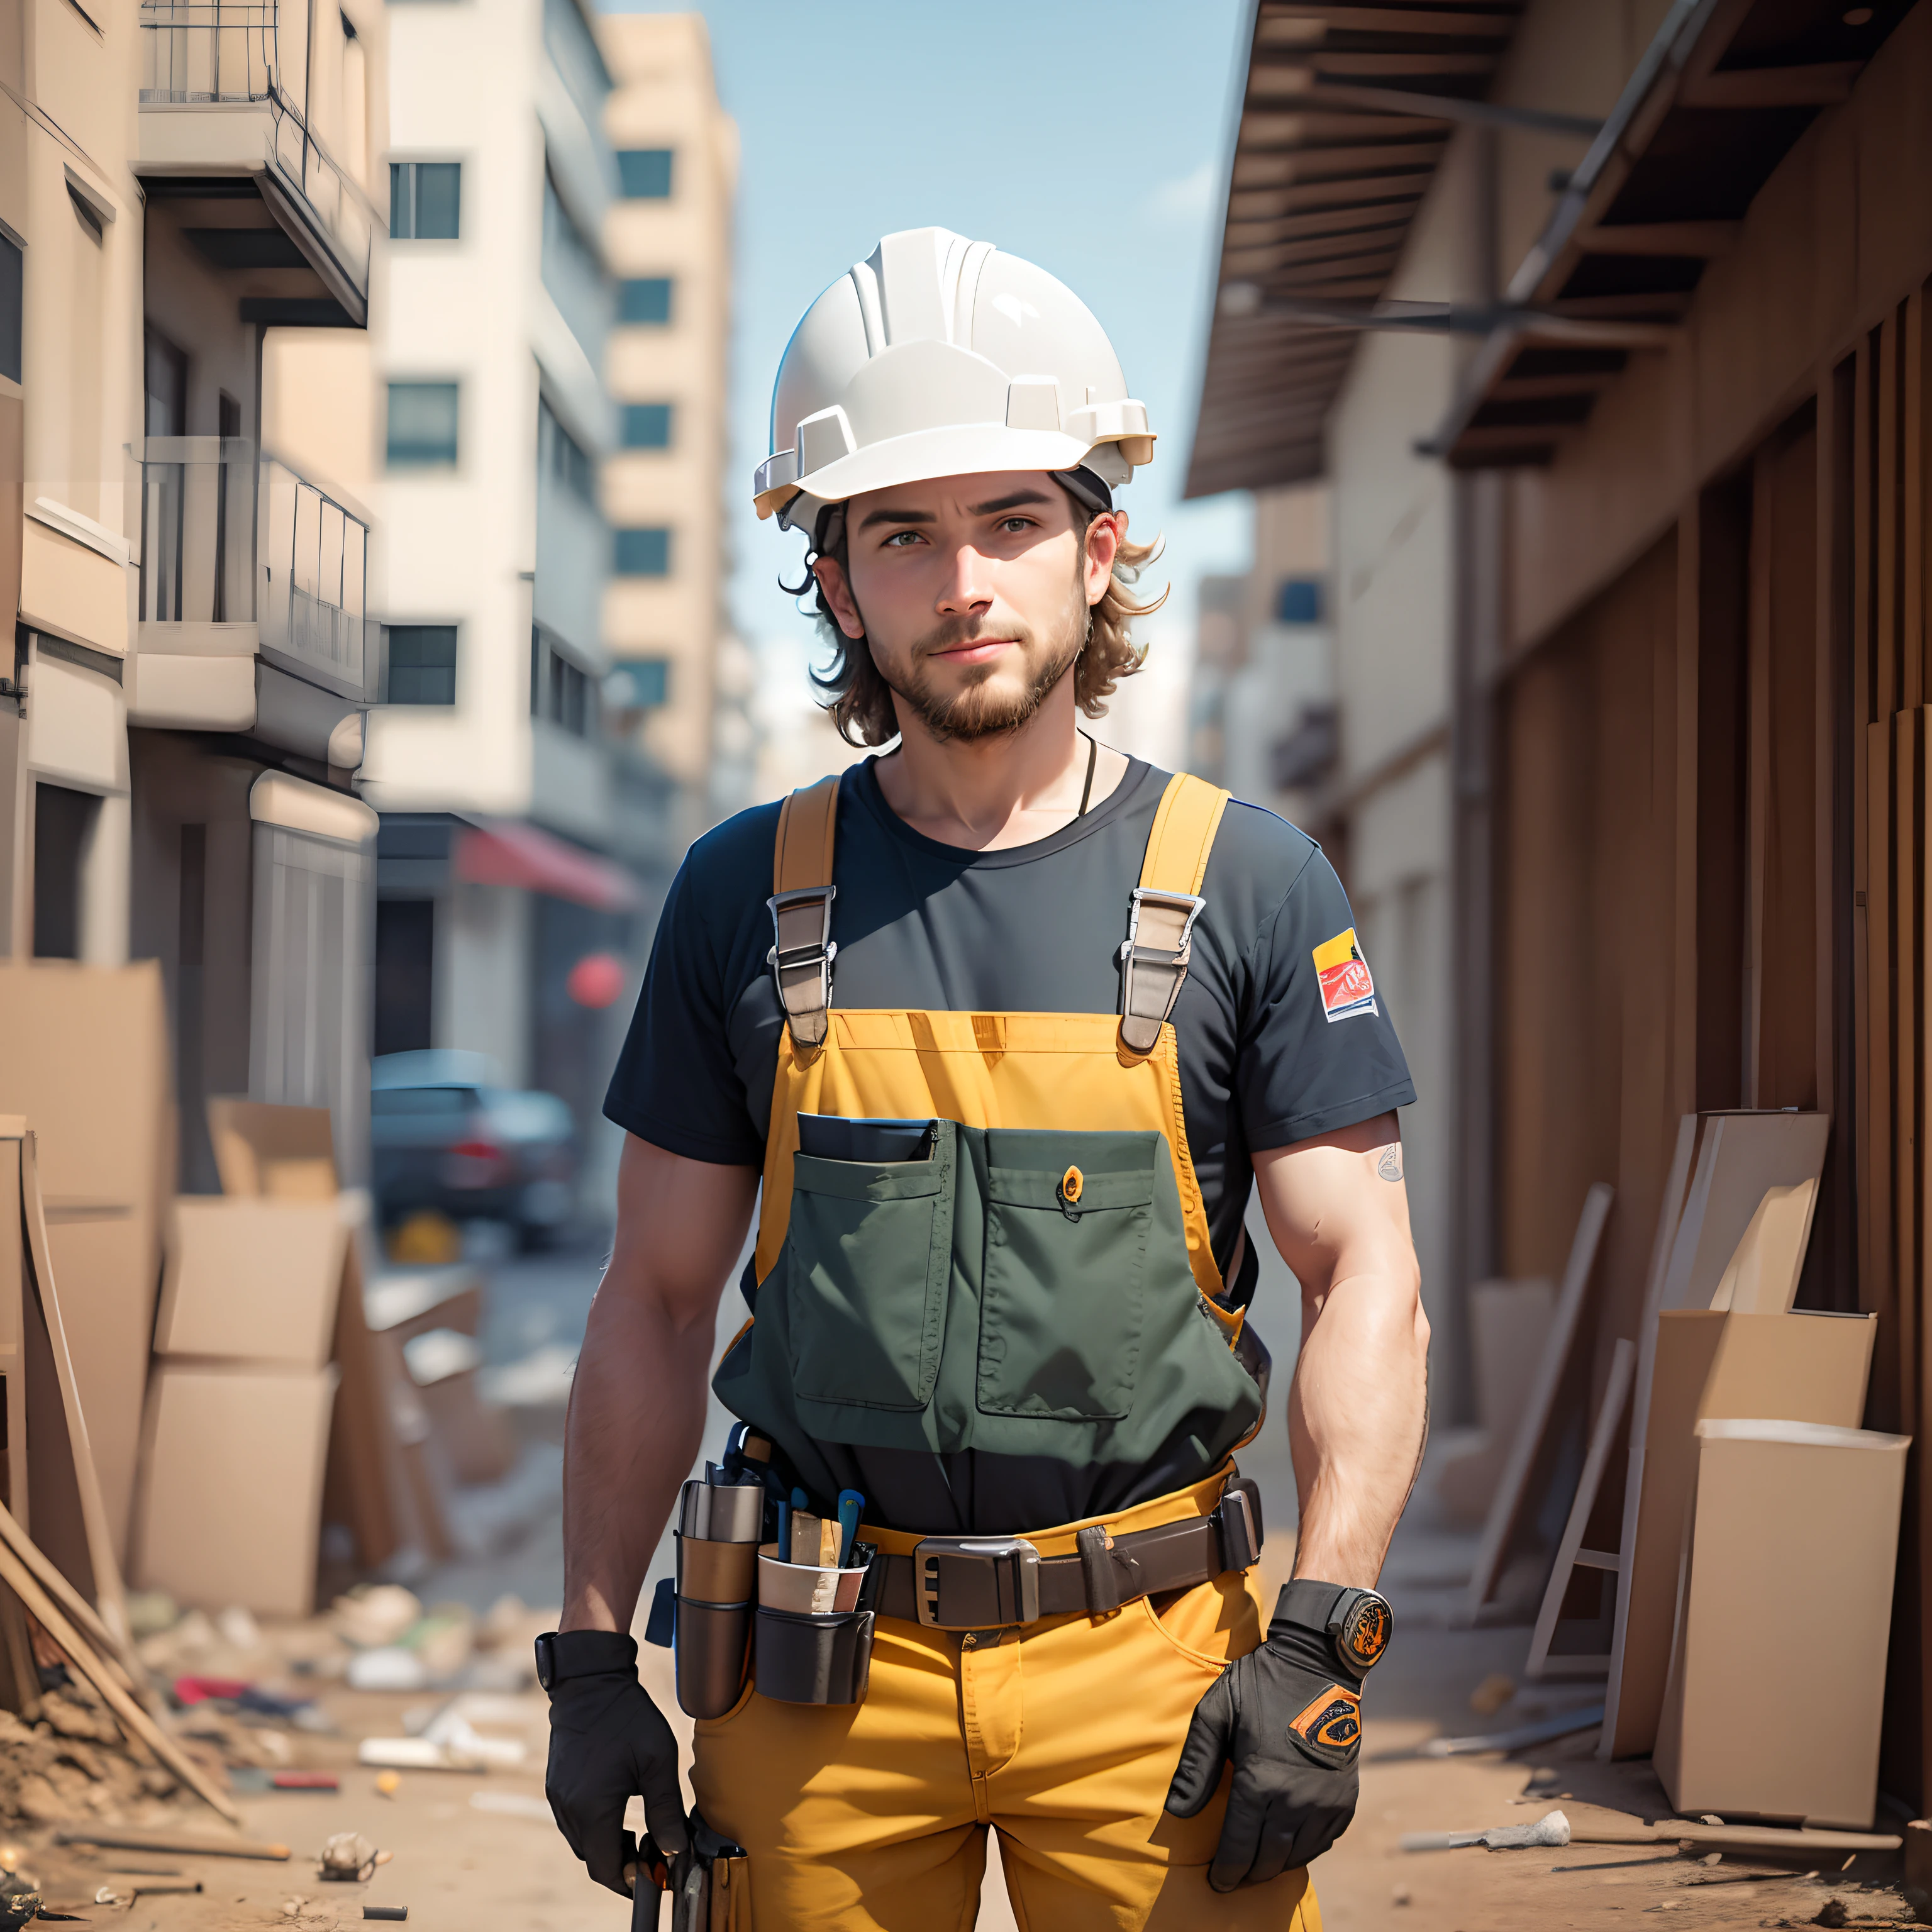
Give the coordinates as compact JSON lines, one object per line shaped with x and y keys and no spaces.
{"x":477,"y":1850}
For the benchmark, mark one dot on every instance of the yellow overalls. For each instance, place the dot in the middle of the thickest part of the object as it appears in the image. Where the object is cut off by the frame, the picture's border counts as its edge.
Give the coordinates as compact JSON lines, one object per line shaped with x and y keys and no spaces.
{"x":1063,"y":1733}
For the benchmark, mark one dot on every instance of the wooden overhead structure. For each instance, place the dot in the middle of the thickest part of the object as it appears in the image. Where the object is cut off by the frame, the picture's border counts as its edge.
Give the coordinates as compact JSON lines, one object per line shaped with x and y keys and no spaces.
{"x":1723,"y":94}
{"x":1338,"y":138}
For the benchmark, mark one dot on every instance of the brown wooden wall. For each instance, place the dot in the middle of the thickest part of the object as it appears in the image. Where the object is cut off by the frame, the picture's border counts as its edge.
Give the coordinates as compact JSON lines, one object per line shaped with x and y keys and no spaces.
{"x":1714,"y":884}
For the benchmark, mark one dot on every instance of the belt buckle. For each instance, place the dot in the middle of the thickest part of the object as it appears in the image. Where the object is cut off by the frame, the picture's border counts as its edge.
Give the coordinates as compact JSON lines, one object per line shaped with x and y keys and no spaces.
{"x":1012,"y":1565}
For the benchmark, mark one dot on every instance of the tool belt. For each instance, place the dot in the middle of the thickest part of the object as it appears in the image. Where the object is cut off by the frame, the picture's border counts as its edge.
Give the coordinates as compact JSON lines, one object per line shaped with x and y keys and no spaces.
{"x":982,"y":1582}
{"x":723,"y":1624}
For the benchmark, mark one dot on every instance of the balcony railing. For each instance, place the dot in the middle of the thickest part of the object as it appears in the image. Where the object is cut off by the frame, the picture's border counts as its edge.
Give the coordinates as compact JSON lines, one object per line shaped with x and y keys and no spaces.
{"x":315,"y":580}
{"x":208,"y":509}
{"x":197,"y":530}
{"x":205,"y":53}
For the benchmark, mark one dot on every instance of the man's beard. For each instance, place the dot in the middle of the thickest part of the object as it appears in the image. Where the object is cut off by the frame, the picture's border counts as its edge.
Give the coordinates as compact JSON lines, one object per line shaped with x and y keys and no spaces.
{"x":967,"y":715}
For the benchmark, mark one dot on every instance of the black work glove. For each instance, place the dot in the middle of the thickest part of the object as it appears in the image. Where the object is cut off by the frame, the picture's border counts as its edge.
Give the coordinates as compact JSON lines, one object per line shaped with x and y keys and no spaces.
{"x":607,"y":1740}
{"x":1290,"y":1718}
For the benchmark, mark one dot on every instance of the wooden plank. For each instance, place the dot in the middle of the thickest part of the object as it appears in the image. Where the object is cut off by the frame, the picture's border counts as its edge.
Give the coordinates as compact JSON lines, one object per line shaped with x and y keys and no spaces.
{"x":1880,"y":1286}
{"x":1569,"y":1553}
{"x":107,"y":1592}
{"x":1512,"y":1500}
{"x":1895,"y":694}
{"x":1912,"y":498}
{"x":86,"y":1617}
{"x":1906,"y":1252}
{"x":1869,"y":761}
{"x":1676,"y":1187}
{"x":131,"y":1716}
{"x":1683,"y":1080}
{"x":1758,"y":772}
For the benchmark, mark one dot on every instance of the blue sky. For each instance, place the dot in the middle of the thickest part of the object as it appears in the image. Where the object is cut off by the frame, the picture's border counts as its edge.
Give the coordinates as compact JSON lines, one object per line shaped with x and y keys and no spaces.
{"x":1092,"y":139}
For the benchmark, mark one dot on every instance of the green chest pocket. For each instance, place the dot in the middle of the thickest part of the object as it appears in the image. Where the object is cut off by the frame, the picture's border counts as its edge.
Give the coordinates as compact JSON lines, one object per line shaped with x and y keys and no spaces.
{"x":867,"y":1259}
{"x":1062,"y":1315}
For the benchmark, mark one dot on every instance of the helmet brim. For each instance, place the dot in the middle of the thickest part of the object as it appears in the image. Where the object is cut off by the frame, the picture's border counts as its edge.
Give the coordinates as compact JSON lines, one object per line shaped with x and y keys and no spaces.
{"x":964,"y":449}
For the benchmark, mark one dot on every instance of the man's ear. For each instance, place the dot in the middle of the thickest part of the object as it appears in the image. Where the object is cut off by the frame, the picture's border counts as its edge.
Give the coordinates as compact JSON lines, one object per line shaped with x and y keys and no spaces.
{"x":1104,"y":535}
{"x":834,"y":589}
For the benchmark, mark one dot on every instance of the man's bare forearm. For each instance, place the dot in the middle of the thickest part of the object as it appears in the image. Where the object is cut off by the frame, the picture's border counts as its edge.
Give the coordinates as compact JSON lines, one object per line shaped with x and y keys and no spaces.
{"x":1357,"y":1411}
{"x":1357,"y":1415}
{"x":638,"y":1405}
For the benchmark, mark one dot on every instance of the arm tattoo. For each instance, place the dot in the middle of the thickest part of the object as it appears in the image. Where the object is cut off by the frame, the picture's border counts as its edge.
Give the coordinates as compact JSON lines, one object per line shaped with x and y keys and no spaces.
{"x":1390,"y":1166}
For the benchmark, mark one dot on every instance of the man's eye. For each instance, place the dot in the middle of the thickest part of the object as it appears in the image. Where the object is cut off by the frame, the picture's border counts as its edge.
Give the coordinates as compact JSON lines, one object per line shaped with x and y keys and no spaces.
{"x":902,"y":540}
{"x":1013,"y":526}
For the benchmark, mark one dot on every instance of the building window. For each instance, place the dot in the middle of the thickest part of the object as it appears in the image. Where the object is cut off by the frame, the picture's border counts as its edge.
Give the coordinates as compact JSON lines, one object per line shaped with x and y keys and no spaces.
{"x":425,"y":200}
{"x":11,"y":263}
{"x":422,"y":664}
{"x":646,"y":426}
{"x":563,"y":456}
{"x":643,"y":553}
{"x":644,"y":299}
{"x":1298,"y":601}
{"x":63,"y":828}
{"x":561,"y":690}
{"x":422,"y":424}
{"x":573,"y":273}
{"x":645,"y":173}
{"x":638,"y":684}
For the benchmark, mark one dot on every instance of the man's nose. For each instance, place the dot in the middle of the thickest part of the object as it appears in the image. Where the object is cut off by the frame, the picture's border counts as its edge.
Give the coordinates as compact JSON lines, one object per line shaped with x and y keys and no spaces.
{"x":968,"y":587}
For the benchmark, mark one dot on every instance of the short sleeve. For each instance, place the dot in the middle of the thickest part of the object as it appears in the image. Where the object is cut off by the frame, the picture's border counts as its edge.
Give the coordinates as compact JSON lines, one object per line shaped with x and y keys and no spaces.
{"x":1318,"y":1050}
{"x":676,"y":1084}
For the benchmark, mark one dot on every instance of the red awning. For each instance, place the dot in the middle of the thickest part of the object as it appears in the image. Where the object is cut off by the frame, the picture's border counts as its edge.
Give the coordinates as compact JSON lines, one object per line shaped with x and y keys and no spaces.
{"x":508,"y":852}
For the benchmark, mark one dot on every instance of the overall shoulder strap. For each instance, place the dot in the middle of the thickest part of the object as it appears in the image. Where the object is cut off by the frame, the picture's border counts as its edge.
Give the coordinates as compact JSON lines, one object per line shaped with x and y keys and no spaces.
{"x":801,"y":904}
{"x":1164,"y":906}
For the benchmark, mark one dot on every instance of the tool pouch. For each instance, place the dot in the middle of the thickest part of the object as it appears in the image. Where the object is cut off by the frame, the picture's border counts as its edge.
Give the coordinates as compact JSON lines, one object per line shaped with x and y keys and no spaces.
{"x":804,"y":1659}
{"x":715,"y":1584}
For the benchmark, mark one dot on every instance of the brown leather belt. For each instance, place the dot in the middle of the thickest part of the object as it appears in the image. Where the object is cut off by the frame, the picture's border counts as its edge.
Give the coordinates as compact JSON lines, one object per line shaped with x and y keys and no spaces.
{"x":992,"y":1583}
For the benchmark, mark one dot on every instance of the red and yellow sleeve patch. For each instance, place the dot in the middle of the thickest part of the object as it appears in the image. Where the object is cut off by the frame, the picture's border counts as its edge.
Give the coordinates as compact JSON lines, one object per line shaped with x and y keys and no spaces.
{"x":1342,"y":974}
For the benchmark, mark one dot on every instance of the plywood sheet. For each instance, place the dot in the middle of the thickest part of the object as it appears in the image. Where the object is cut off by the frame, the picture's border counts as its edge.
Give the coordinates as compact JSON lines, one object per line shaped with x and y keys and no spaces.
{"x":1797,"y":1367}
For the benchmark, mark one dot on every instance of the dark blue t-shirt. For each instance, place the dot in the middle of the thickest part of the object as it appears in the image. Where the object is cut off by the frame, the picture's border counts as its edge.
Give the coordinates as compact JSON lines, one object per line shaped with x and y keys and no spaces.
{"x":1272,"y":1048}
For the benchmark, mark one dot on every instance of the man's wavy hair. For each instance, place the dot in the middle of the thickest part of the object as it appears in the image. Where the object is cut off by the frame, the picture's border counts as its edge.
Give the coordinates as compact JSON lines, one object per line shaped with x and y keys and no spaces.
{"x":861,"y":701}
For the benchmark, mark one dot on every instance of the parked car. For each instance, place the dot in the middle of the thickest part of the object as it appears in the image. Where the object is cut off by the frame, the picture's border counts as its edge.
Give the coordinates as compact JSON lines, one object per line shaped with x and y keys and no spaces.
{"x":446,"y":1134}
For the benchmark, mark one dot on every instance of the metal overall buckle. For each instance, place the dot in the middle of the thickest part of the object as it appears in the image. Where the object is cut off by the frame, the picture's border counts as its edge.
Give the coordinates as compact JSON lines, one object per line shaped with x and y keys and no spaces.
{"x":1165,"y":967}
{"x":995,"y":1578}
{"x":801,"y":958}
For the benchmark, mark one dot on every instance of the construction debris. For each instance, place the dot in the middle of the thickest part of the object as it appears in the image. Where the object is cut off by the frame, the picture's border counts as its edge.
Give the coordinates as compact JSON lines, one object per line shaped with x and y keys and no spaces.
{"x":348,"y":1857}
{"x":1545,"y":1729}
{"x":181,"y":1844}
{"x":1552,"y":1828}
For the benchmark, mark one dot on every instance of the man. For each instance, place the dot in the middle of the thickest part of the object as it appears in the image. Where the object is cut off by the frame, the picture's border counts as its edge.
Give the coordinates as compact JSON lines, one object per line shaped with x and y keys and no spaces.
{"x":1108,"y":1007}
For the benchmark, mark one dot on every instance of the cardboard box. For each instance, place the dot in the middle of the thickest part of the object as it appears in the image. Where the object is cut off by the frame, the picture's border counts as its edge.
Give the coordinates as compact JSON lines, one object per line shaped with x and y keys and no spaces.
{"x":1799,"y":1367}
{"x":1777,"y":1679}
{"x":286,"y":1153}
{"x":411,"y":1301}
{"x":84,"y":1056}
{"x":253,"y":1280}
{"x":232,"y":1491}
{"x":476,"y":1435}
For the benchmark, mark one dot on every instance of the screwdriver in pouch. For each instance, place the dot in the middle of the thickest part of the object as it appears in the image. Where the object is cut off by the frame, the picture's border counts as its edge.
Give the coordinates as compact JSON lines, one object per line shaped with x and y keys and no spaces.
{"x":851,"y":1506}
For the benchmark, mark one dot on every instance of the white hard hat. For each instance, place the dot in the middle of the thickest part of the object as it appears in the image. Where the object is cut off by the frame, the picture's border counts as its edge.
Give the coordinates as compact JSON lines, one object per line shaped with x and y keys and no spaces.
{"x":938,"y":356}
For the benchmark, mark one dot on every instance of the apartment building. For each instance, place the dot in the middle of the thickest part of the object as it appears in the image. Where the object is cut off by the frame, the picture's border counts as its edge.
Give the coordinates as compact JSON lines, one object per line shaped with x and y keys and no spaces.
{"x":490,"y":764}
{"x":180,"y":717}
{"x":678,"y":685}
{"x":192,"y":633}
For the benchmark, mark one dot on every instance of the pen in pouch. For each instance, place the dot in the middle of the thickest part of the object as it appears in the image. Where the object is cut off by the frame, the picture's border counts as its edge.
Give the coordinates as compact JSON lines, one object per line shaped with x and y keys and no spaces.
{"x":784,"y":1532}
{"x":799,"y":1501}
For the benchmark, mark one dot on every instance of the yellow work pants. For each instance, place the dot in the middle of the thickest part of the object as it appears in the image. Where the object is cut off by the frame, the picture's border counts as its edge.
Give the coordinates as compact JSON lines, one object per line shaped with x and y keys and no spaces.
{"x":872,"y":1817}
